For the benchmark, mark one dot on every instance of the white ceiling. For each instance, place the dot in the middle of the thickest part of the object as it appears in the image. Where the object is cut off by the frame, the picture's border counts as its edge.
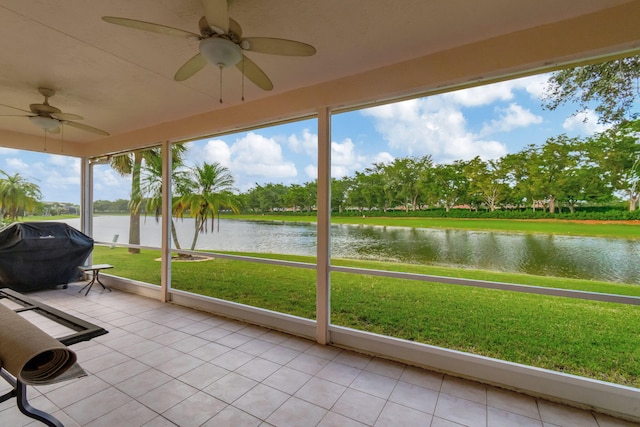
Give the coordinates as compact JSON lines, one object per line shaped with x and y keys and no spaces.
{"x":121,"y":80}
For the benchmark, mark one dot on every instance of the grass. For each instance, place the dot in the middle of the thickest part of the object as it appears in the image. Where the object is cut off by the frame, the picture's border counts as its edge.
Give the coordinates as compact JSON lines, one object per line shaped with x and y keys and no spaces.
{"x":619,"y":230}
{"x":592,"y":339}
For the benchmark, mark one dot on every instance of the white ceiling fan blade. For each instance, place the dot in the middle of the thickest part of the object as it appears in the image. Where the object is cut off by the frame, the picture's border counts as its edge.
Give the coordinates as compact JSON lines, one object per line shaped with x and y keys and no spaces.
{"x":86,"y":128}
{"x":254,"y":73}
{"x":14,"y":115}
{"x":15,"y":108}
{"x":235,"y":28}
{"x":190,"y":67}
{"x":148,"y":26}
{"x":278,"y":46}
{"x":217,"y":14}
{"x":66,"y":116}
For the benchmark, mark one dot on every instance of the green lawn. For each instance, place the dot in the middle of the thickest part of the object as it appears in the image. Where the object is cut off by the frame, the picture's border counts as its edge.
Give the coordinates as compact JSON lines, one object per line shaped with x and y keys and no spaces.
{"x":593,"y":339}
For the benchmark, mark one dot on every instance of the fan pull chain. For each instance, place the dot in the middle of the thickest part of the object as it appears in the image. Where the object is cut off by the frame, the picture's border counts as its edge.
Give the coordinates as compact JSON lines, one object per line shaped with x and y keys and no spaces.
{"x":45,"y":140}
{"x":242,"y":78}
{"x":221,"y":67}
{"x":61,"y":137}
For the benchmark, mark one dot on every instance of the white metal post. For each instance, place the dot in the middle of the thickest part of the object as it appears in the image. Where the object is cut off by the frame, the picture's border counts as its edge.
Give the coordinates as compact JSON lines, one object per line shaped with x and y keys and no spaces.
{"x":323,"y":279}
{"x":165,"y":275}
{"x":86,"y":200}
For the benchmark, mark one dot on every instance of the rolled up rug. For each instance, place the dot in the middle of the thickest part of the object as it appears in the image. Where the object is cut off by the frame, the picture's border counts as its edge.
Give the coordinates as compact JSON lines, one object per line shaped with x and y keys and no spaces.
{"x":31,"y":355}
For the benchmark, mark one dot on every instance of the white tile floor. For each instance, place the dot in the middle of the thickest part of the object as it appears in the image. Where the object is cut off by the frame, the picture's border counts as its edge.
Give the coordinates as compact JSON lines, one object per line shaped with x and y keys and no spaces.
{"x":163,"y":365}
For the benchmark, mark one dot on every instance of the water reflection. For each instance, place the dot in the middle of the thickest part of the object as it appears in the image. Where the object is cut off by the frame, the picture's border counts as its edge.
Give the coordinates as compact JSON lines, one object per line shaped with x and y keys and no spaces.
{"x":615,"y":260}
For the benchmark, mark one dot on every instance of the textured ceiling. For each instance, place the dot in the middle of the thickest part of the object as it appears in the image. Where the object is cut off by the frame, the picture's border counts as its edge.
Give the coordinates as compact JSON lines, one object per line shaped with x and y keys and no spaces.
{"x":121,"y":80}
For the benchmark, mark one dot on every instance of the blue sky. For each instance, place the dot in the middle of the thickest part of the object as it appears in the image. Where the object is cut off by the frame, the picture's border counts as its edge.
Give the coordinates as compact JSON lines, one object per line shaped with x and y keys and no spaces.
{"x":487,"y":121}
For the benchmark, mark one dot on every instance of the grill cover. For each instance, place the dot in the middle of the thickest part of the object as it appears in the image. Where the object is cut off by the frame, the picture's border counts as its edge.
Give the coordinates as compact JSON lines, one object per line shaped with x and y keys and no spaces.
{"x":40,"y":255}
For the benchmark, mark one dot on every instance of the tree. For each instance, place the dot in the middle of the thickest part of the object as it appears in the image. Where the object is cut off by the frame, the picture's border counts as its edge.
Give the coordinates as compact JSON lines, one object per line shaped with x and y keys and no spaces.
{"x":427,"y":185}
{"x":617,"y":152}
{"x":555,"y":165}
{"x":339,"y":192}
{"x":451,"y":184}
{"x":302,"y":197}
{"x":267,"y":198}
{"x":131,"y":164}
{"x":108,"y":206}
{"x":295,"y":197}
{"x":17,"y":195}
{"x":369,"y":191}
{"x":520,"y":171}
{"x":356,"y":196}
{"x":209,"y":191}
{"x":403,"y":175}
{"x":151,"y":184}
{"x":310,"y":195}
{"x":487,"y":182}
{"x":611,"y":85}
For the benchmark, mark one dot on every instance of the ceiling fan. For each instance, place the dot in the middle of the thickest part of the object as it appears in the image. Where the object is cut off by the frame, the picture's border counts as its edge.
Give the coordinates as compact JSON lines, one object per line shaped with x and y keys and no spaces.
{"x":50,"y":118}
{"x":222,"y":44}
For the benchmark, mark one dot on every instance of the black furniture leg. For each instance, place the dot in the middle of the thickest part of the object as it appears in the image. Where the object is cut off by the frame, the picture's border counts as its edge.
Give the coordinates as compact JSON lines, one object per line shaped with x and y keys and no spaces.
{"x":20,"y":393}
{"x":32,"y":412}
{"x":94,"y":278}
{"x":90,"y":284}
{"x":97,"y":276}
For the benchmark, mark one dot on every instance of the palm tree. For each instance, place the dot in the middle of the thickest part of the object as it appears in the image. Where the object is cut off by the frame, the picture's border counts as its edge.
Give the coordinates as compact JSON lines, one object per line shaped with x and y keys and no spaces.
{"x":17,"y":194}
{"x":131,"y":164}
{"x":210,"y":189}
{"x":151,"y":186}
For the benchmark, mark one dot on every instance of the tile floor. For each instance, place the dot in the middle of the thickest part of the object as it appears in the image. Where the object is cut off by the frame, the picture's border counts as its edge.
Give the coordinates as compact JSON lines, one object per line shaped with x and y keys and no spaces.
{"x":163,"y":365}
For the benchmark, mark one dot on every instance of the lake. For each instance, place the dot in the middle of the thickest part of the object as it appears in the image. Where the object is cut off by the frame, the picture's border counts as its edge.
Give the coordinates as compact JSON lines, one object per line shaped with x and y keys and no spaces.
{"x":615,"y":260}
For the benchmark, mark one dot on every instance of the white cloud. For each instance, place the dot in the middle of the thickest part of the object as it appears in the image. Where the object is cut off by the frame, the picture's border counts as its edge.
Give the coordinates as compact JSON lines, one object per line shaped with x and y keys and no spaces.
{"x":55,"y":160}
{"x":110,"y":185}
{"x":343,"y":154}
{"x":512,"y":117}
{"x":251,"y":156}
{"x":217,"y":150}
{"x":431,"y":126}
{"x":63,"y":165}
{"x":383,"y":157}
{"x":481,"y":95}
{"x":535,"y":85}
{"x":16,"y":165}
{"x":57,"y":180}
{"x":256,"y":155}
{"x":436,"y":125}
{"x":307,"y":143}
{"x":345,"y":158}
{"x":585,"y":123}
{"x":502,"y":91}
{"x":311,"y":171}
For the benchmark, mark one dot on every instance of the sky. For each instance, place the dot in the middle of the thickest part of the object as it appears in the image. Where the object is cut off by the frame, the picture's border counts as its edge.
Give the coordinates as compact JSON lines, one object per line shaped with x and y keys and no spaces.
{"x":488,"y":121}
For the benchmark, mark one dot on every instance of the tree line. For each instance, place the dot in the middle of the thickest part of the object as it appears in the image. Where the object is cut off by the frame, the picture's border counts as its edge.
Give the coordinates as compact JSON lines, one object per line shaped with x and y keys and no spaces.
{"x":563,"y":172}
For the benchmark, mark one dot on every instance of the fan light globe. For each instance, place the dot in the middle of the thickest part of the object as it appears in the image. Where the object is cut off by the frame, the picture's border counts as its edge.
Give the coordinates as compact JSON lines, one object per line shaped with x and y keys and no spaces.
{"x":45,"y":123}
{"x":220,"y":51}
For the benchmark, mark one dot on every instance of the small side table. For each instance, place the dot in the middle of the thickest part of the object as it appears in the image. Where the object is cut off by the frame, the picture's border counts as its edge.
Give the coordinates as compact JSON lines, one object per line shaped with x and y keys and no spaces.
{"x":95,"y":269}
